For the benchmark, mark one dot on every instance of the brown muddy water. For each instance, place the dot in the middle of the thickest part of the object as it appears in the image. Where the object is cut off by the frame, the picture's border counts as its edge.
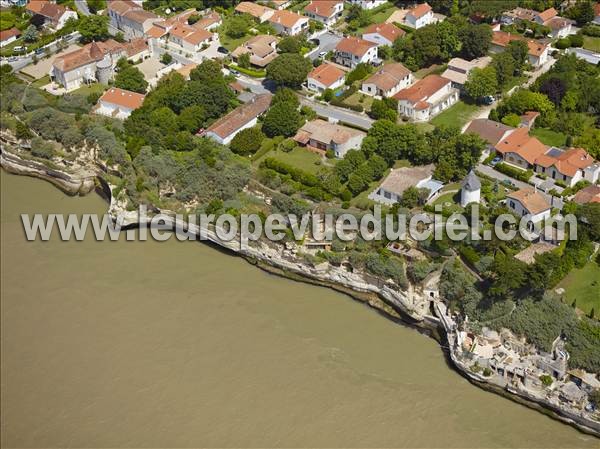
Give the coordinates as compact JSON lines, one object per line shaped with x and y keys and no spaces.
{"x":147,"y":344}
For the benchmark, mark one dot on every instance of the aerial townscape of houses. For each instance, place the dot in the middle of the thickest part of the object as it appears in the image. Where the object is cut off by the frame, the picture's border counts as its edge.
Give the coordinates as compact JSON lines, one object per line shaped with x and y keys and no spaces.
{"x":350,"y":60}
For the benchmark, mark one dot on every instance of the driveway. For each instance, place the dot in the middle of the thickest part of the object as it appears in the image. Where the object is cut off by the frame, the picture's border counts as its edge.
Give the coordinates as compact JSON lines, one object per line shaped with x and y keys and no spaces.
{"x":43,"y":66}
{"x":339,"y":114}
{"x":327,"y":42}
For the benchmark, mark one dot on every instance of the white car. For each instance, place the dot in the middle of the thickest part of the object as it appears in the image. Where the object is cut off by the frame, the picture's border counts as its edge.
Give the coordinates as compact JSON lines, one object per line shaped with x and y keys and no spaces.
{"x":322,"y":54}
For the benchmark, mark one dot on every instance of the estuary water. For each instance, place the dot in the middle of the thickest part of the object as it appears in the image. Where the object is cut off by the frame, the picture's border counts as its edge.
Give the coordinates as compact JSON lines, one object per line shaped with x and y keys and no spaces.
{"x":147,"y":344}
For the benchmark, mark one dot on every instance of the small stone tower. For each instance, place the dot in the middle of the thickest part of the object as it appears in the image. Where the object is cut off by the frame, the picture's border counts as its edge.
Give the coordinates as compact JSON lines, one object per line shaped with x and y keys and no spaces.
{"x":471,"y":189}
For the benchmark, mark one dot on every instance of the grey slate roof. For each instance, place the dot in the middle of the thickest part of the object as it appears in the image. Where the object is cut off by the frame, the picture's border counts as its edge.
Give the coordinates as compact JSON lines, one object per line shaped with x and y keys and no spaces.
{"x":471,"y":182}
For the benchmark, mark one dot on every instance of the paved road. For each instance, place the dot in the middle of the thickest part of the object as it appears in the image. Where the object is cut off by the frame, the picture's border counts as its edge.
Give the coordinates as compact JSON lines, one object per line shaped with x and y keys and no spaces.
{"x":327,"y":42}
{"x":323,"y":110}
{"x":82,"y":7}
{"x":25,"y":60}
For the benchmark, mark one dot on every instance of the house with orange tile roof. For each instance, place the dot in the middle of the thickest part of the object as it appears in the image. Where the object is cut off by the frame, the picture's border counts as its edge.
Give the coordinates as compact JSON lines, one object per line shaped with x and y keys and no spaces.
{"x":367,"y":4}
{"x":260,"y":12}
{"x":388,"y":80}
{"x":51,"y":14}
{"x":118,"y":103}
{"x":426,"y":98}
{"x":9,"y":36}
{"x":383,"y":33}
{"x":537,"y":51}
{"x":520,"y":149}
{"x":568,"y":166}
{"x":351,"y":51}
{"x":243,"y":117}
{"x":596,"y":13}
{"x":321,"y":136}
{"x":589,"y":194}
{"x":130,"y":18}
{"x":419,"y":16}
{"x":325,"y":76}
{"x":262,"y":50}
{"x":288,"y":22}
{"x":94,"y":62}
{"x":529,"y":202}
{"x":276,"y":4}
{"x":189,"y":38}
{"x":325,"y":11}
{"x":559,"y":26}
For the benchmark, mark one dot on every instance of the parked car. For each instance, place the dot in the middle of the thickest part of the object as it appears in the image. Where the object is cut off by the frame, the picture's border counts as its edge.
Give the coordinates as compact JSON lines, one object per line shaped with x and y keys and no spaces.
{"x":12,"y":59}
{"x":488,"y":100}
{"x":19,"y":49}
{"x":234,"y":72}
{"x":40,"y":51}
{"x":322,"y":54}
{"x":223,"y":50}
{"x":496,"y":160}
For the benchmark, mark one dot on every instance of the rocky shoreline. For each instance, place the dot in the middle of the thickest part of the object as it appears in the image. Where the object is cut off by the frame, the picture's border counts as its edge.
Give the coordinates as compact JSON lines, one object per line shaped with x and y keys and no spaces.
{"x":405,"y":307}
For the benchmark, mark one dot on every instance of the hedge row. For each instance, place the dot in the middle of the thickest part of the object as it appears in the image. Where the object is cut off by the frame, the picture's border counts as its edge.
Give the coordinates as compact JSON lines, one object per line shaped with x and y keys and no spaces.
{"x":513,"y":172}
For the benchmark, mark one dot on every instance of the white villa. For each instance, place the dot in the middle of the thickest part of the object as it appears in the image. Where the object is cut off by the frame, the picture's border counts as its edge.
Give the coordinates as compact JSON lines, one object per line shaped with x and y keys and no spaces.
{"x":426,"y":98}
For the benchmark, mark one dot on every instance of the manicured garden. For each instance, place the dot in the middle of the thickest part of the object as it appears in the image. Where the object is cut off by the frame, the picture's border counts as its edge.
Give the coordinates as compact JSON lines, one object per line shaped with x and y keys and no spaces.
{"x":582,"y":286}
{"x":591,"y":43}
{"x":550,"y":137}
{"x":457,"y":115}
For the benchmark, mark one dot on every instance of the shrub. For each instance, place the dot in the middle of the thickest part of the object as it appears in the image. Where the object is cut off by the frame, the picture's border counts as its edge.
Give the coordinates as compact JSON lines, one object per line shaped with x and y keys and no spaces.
{"x":42,"y":148}
{"x":521,"y":175}
{"x":247,"y":141}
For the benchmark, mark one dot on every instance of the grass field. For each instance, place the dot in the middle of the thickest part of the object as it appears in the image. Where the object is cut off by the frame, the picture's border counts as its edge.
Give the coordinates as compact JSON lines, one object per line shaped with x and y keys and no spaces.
{"x":41,"y":82}
{"x":299,"y":157}
{"x":355,"y":98}
{"x":583,"y":285}
{"x":230,"y":43}
{"x":591,"y":43}
{"x":550,"y":137}
{"x":92,"y":88}
{"x":457,"y":115}
{"x":431,"y":70}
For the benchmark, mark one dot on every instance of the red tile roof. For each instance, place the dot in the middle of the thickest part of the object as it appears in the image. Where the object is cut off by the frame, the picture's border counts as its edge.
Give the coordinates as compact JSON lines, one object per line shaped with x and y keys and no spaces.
{"x":327,"y":74}
{"x":521,"y":143}
{"x":568,"y":162}
{"x":388,"y":30}
{"x":531,"y":199}
{"x":286,"y":18}
{"x":87,"y":54}
{"x":240,"y":116}
{"x":550,"y":13}
{"x":45,"y":8}
{"x":422,"y":90}
{"x":590,"y":194}
{"x":121,"y":97}
{"x":7,"y":34}
{"x":354,"y":46}
{"x":502,"y":39}
{"x":323,"y":8}
{"x":420,"y":10}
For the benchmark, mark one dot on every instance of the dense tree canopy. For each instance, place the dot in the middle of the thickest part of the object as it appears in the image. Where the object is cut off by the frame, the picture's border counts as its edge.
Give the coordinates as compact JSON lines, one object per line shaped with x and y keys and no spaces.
{"x":289,"y":69}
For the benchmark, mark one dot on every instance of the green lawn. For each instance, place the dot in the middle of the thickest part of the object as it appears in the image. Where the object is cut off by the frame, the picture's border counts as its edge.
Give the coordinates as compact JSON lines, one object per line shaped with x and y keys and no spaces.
{"x":299,"y":157}
{"x":450,"y":197}
{"x":41,"y":82}
{"x":434,"y":69}
{"x":591,"y":43}
{"x":355,"y":99}
{"x":457,"y":115}
{"x":583,"y":285}
{"x":380,"y":16}
{"x":230,"y":43}
{"x":550,"y":137}
{"x":92,"y":88}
